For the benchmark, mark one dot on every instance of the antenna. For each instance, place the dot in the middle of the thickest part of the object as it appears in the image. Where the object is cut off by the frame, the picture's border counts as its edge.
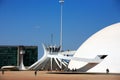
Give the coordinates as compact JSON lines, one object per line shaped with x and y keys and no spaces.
{"x":51,"y":39}
{"x":61,"y":3}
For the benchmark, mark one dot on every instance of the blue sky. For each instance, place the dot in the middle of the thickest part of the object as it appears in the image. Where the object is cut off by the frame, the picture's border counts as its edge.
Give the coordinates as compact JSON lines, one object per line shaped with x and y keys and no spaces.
{"x":31,"y":22}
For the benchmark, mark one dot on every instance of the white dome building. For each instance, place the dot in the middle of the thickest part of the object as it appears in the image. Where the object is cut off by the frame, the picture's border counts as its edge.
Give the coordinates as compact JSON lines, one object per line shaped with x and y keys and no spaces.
{"x":104,"y":42}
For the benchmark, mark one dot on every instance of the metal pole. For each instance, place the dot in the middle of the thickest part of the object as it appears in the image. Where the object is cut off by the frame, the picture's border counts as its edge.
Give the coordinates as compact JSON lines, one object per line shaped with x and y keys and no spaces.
{"x":61,"y":23}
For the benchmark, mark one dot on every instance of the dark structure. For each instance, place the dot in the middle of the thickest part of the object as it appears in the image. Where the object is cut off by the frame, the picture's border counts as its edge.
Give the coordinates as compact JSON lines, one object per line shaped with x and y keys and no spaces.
{"x":10,"y":55}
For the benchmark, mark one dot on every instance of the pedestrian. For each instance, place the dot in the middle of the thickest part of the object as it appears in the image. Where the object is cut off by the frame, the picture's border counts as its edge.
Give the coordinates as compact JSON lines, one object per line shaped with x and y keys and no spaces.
{"x":107,"y":70}
{"x":2,"y":72}
{"x":35,"y":73}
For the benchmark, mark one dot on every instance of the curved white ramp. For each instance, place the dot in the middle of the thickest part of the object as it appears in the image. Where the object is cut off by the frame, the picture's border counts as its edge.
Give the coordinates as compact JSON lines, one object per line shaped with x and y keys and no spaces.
{"x":40,"y":61}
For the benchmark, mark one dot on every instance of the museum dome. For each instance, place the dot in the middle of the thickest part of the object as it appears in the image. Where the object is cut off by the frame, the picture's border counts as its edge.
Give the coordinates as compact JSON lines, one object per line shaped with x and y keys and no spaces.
{"x":103,"y":42}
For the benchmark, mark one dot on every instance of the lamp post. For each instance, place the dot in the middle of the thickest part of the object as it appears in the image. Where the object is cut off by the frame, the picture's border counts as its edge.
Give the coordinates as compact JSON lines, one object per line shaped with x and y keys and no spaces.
{"x":61,"y":22}
{"x":61,"y":25}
